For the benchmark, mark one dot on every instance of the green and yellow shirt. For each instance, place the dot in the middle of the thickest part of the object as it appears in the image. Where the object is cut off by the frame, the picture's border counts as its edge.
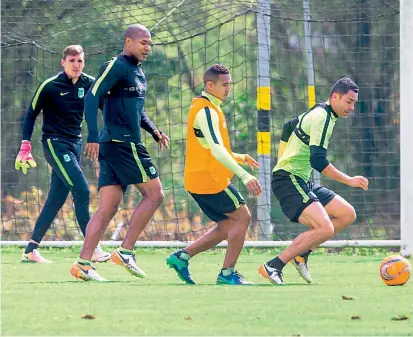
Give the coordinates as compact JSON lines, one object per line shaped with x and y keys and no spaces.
{"x":313,"y":130}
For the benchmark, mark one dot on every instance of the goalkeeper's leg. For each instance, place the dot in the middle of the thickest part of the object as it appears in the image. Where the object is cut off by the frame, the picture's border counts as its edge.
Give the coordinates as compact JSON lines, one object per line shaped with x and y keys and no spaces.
{"x":56,"y":198}
{"x":64,"y":157}
{"x":81,"y":199}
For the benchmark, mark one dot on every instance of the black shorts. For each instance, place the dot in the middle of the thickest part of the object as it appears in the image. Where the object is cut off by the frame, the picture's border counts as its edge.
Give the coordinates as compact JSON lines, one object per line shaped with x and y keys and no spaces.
{"x":124,"y":163}
{"x":294,"y":194}
{"x":216,"y":205}
{"x":63,"y":156}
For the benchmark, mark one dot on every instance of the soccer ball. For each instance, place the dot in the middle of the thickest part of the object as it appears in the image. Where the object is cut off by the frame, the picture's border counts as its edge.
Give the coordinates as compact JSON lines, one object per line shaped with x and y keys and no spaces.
{"x":395,"y":270}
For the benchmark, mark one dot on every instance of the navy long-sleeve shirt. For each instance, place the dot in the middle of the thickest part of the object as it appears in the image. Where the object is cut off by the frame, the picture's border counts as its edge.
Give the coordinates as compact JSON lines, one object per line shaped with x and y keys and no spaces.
{"x":62,"y":103}
{"x":120,"y":89}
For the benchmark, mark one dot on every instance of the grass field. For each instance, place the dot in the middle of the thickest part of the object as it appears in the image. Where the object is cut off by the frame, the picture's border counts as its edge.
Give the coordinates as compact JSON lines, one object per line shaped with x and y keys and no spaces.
{"x":46,"y":300}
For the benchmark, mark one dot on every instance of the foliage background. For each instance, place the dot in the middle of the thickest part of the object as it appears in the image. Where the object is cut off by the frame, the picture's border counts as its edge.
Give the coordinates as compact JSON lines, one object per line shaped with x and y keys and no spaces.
{"x":359,"y":39}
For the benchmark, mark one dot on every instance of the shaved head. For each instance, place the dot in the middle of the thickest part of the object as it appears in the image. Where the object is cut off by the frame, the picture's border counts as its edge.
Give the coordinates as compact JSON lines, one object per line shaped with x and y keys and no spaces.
{"x":137,"y":42}
{"x":136,"y":31}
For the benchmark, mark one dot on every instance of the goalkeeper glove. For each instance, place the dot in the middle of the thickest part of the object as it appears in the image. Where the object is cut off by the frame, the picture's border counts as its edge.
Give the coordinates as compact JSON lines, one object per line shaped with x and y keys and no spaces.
{"x":25,"y":159}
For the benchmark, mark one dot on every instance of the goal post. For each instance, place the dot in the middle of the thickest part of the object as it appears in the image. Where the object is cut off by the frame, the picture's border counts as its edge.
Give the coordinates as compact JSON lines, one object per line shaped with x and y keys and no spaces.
{"x":406,"y":120}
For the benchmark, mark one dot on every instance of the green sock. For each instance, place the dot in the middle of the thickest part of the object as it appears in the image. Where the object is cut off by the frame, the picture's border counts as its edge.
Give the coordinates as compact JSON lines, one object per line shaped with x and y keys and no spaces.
{"x":125,"y":251}
{"x":227,"y":271}
{"x":83,"y":261}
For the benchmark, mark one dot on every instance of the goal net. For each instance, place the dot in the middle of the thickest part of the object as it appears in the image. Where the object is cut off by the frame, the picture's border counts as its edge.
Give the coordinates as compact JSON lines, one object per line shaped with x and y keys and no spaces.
{"x":311,"y":42}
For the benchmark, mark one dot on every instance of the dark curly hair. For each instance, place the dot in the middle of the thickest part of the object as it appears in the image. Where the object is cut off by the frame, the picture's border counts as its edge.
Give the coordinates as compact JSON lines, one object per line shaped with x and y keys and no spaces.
{"x":214,"y":71}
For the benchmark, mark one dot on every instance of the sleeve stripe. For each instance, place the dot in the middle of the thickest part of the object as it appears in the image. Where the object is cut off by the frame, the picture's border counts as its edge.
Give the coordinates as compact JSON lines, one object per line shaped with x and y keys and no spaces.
{"x":211,"y":128}
{"x":326,"y":124}
{"x":87,"y":75}
{"x":101,"y":78}
{"x":36,"y":97}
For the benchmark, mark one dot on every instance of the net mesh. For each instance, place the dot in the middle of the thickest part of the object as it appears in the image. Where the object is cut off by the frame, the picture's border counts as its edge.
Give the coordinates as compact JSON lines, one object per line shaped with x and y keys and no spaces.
{"x":358,"y":39}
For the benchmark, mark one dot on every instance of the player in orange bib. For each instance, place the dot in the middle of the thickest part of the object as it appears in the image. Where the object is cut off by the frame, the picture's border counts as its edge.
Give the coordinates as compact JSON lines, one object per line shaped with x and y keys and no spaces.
{"x":209,"y":167}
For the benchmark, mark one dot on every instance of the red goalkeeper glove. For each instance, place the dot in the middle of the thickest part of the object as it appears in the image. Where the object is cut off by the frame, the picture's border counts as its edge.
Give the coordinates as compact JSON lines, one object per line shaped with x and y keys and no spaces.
{"x":25,"y":159}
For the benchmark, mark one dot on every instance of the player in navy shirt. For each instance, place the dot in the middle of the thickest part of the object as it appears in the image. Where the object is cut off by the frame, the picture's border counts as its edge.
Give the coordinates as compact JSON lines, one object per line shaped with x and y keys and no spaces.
{"x":61,"y":98}
{"x":121,"y":88}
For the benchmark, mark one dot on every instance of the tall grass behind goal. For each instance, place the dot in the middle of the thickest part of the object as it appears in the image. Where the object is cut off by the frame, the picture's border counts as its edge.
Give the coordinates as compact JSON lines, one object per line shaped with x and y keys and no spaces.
{"x":358,"y":39}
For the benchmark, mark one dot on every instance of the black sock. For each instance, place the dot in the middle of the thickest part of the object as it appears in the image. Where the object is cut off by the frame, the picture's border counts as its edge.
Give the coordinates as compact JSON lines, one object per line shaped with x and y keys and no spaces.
{"x":276,"y":263}
{"x":308,"y":252}
{"x":30,"y":247}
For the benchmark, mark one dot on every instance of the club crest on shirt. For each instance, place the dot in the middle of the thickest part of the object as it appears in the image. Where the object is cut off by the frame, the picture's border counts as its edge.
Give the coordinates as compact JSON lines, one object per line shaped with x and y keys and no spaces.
{"x":81,"y":92}
{"x":66,"y":158}
{"x":140,"y":87}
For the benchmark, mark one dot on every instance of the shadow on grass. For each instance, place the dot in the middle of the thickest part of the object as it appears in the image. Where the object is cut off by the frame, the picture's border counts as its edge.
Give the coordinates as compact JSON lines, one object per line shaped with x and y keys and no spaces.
{"x":143,"y":284}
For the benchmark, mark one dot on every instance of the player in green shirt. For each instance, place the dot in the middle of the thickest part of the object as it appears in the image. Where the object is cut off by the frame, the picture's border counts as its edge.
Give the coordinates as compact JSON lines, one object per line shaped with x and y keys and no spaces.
{"x":303,"y":148}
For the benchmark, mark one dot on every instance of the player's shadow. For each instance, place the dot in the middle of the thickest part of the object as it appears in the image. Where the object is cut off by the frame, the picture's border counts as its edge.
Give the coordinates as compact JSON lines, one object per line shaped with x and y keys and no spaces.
{"x":60,"y":282}
{"x":138,"y":284}
{"x":169,"y":284}
{"x":282,"y":286}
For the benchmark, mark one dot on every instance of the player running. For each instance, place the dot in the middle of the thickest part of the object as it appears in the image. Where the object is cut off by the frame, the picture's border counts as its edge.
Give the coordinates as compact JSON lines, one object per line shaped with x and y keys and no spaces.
{"x":209,"y":167}
{"x":306,"y":139}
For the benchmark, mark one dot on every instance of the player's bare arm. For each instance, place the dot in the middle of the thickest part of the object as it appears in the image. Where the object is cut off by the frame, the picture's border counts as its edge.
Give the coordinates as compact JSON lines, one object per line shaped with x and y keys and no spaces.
{"x":303,"y":148}
{"x":357,"y":181}
{"x":210,"y":166}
